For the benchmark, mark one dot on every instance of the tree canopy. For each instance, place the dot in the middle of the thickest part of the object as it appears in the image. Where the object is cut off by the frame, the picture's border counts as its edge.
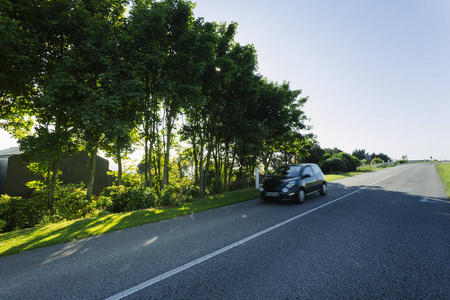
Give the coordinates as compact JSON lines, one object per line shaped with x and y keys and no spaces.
{"x":92,"y":77}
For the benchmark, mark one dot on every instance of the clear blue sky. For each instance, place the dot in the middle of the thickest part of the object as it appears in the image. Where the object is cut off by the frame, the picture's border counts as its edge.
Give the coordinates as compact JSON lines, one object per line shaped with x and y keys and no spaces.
{"x":377,"y":72}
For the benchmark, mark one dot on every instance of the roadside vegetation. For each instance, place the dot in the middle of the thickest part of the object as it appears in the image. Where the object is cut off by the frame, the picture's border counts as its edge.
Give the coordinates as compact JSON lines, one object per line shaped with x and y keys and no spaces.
{"x":55,"y":233}
{"x":444,"y":173}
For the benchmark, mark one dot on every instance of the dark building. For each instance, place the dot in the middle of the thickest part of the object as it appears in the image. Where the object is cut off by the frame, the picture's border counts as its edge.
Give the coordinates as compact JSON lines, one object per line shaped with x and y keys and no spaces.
{"x":14,"y":173}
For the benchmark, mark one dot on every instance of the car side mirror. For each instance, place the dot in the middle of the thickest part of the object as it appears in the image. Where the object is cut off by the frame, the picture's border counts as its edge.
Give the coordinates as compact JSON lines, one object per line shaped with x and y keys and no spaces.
{"x":306,"y":176}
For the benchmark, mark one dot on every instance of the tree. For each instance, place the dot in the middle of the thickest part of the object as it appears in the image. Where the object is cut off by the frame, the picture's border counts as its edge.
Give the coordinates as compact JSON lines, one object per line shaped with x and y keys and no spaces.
{"x":315,"y":152}
{"x":360,"y":153}
{"x":147,"y":28}
{"x":20,"y":62}
{"x":381,"y":156}
{"x":53,"y":26}
{"x":100,"y":96}
{"x":282,"y":120}
{"x":181,"y":70}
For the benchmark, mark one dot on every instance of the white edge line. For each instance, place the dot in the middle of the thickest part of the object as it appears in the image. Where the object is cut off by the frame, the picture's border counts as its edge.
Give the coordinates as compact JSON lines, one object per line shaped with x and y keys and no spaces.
{"x":172,"y":272}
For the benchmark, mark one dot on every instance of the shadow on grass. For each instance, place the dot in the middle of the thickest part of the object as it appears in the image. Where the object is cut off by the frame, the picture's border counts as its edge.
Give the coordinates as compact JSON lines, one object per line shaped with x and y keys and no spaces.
{"x":52,"y":234}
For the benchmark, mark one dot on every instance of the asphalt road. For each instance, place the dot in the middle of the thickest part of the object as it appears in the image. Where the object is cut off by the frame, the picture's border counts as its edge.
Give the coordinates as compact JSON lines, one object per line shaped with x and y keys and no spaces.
{"x":384,"y":234}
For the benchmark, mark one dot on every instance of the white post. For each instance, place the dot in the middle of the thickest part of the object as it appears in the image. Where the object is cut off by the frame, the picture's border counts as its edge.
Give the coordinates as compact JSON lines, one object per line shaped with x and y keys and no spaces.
{"x":257,"y":178}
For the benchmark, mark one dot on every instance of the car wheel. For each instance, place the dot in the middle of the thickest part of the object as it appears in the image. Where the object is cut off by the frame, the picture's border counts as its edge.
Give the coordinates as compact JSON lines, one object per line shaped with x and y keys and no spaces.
{"x":301,"y":196}
{"x":324,"y":189}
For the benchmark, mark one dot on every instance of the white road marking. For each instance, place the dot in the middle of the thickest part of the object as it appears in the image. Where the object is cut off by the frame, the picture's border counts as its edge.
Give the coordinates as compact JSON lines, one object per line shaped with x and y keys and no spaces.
{"x":170,"y":273}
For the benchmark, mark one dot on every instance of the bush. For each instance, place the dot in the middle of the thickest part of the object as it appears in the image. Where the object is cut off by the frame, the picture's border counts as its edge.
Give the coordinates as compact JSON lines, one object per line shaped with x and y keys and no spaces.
{"x":333,"y":165}
{"x":71,"y":201}
{"x":169,"y":197}
{"x":193,"y":192}
{"x":2,"y":224}
{"x":377,"y":160}
{"x":121,"y":198}
{"x":216,"y":186}
{"x":18,"y":213}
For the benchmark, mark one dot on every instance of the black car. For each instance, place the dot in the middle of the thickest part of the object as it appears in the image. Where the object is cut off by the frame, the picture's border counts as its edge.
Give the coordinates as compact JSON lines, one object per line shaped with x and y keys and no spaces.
{"x":294,"y":182}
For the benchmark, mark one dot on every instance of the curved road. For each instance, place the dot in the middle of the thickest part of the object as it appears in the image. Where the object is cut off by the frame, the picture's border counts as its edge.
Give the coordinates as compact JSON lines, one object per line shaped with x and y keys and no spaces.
{"x":384,"y":234}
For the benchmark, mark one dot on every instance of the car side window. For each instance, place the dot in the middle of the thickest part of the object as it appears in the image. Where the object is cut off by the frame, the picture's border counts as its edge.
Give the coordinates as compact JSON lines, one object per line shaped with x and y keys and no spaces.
{"x":316,"y":169}
{"x":307,"y":171}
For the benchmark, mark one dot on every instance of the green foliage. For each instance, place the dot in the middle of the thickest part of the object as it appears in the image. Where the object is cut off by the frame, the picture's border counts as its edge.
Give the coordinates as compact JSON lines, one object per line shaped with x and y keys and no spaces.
{"x":444,"y":173}
{"x":381,"y":156}
{"x":71,"y":202}
{"x":169,"y":197}
{"x":18,"y":213}
{"x":2,"y":225}
{"x":122,"y":198}
{"x":216,"y":186}
{"x":68,"y":231}
{"x":377,"y":160}
{"x":360,"y":153}
{"x":193,"y":192}
{"x":340,"y":162}
{"x":333,"y":165}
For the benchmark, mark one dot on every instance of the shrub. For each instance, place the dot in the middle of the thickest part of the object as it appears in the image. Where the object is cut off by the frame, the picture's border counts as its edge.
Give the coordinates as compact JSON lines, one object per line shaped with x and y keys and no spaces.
{"x":216,"y":186}
{"x":71,"y":201}
{"x":377,"y":160}
{"x":19,"y":213}
{"x":2,"y":224}
{"x":121,"y":198}
{"x":166,"y":198}
{"x":333,"y":165}
{"x":194,"y":192}
{"x":351,"y":162}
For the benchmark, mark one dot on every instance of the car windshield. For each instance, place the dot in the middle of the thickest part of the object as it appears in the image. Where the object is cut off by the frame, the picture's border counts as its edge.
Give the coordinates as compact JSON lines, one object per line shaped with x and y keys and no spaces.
{"x":287,"y":171}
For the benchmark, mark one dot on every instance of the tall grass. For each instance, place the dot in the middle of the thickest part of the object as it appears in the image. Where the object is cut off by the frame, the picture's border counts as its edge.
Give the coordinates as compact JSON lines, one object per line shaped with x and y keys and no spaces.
{"x":444,"y":173}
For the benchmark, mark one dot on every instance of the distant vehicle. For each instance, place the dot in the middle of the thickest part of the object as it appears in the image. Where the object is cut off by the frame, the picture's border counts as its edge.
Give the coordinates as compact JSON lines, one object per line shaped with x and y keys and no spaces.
{"x":294,"y":182}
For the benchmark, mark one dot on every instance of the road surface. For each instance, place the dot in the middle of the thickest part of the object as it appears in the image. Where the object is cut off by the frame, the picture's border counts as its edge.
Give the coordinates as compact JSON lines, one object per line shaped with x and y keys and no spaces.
{"x":384,"y":234}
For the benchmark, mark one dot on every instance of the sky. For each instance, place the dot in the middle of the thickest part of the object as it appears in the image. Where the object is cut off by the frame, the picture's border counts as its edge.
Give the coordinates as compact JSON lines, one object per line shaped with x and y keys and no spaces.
{"x":377,"y":72}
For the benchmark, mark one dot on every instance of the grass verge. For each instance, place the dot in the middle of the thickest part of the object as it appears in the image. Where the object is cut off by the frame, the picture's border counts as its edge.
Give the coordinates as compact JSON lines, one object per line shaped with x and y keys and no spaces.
{"x":332,"y":177}
{"x":444,"y":173}
{"x":27,"y":239}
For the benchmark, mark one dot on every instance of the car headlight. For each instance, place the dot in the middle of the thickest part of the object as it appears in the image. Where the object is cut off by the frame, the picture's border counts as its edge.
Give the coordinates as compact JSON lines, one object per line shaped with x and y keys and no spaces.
{"x":290,"y":184}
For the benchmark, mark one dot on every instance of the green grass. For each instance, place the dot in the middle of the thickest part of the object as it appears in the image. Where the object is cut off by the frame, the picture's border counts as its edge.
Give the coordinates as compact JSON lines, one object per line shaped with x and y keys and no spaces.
{"x":51,"y":234}
{"x":332,"y":177}
{"x":444,"y":173}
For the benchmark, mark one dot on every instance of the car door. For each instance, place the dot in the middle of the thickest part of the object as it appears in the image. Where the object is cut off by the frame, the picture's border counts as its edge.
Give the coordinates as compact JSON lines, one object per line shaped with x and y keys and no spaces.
{"x":308,"y":179}
{"x":317,"y":177}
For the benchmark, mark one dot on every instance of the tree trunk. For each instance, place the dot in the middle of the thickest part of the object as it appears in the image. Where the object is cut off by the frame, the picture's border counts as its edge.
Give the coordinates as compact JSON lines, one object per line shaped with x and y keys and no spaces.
{"x":92,"y":165}
{"x":146,"y":155}
{"x":225,"y":166}
{"x":208,"y":161}
{"x":201,"y":167}
{"x":53,"y":180}
{"x":119,"y":164}
{"x":167,"y":153}
{"x":194,"y":150}
{"x":55,"y":167}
